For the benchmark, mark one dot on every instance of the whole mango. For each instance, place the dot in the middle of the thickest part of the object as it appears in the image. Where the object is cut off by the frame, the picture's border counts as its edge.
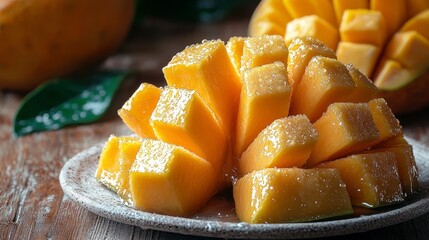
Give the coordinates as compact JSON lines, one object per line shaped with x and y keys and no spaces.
{"x":43,"y":39}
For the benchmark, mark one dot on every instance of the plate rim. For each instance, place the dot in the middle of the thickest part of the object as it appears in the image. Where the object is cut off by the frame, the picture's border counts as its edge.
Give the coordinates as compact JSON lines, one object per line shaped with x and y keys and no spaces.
{"x":212,"y":228}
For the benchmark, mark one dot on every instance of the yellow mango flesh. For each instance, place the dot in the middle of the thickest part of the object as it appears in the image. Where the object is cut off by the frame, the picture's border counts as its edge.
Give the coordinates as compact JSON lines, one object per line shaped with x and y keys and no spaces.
{"x":387,"y":124}
{"x":169,"y":179}
{"x":136,"y":111}
{"x":361,"y":55}
{"x":263,"y":86}
{"x":321,"y":8}
{"x":325,"y":81}
{"x":301,"y":50}
{"x":290,"y":195}
{"x":391,"y":75}
{"x":204,"y":67}
{"x":394,"y":13}
{"x":407,"y":169}
{"x":261,"y":50}
{"x":341,"y":5}
{"x":286,"y":142}
{"x":115,"y":162}
{"x":266,"y":27}
{"x":418,"y":23}
{"x":234,"y":48}
{"x":410,"y":49}
{"x":396,"y":141}
{"x":363,"y":26}
{"x":312,"y":26}
{"x":269,"y":17}
{"x":372,"y":179}
{"x":365,"y":89}
{"x":343,"y":129}
{"x":182,"y":118}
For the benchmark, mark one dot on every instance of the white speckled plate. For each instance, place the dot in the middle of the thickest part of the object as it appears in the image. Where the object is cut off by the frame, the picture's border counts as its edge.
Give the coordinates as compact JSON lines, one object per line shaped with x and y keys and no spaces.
{"x":218,"y":218}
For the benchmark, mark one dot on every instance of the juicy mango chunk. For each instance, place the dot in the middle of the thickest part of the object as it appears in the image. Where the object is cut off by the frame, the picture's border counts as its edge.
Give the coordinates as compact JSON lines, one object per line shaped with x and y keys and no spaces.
{"x":269,"y":18}
{"x":363,"y":26}
{"x":234,"y":47}
{"x":286,"y":142}
{"x":342,"y":5}
{"x":365,"y":89}
{"x":371,"y":179}
{"x":321,"y":8}
{"x":169,"y":179}
{"x":278,"y":195}
{"x":361,"y":55}
{"x":204,"y":67}
{"x":343,"y":129}
{"x":261,"y":50}
{"x":394,"y":13}
{"x":263,"y":86}
{"x":391,"y":75}
{"x":325,"y":81}
{"x":182,"y":118}
{"x":387,"y":124}
{"x":312,"y":26}
{"x":301,"y":51}
{"x":418,"y":23}
{"x":136,"y":111}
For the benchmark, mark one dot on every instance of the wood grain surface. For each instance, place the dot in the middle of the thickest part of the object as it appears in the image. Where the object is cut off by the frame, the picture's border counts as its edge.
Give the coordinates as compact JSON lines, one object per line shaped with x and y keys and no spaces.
{"x":32,"y":203}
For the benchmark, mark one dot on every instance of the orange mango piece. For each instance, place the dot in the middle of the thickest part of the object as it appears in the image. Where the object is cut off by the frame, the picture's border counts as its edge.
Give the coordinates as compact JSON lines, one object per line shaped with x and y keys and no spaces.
{"x":286,"y":142}
{"x":272,"y":11}
{"x":391,"y":75}
{"x":182,"y":118}
{"x":207,"y":69}
{"x":372,"y":179}
{"x":265,"y":27}
{"x":261,"y":50}
{"x":362,"y":55}
{"x":407,"y":168}
{"x":341,"y":5}
{"x":136,"y":111}
{"x":325,"y":81}
{"x":115,"y":162}
{"x":168,"y":179}
{"x":301,"y":50}
{"x":418,"y":23}
{"x":396,"y":141}
{"x":344,"y":128}
{"x":321,"y":8}
{"x":365,"y":89}
{"x":279,"y":195}
{"x":394,"y":13}
{"x":263,"y":86}
{"x":313,"y":26}
{"x":387,"y":124}
{"x":234,"y":47}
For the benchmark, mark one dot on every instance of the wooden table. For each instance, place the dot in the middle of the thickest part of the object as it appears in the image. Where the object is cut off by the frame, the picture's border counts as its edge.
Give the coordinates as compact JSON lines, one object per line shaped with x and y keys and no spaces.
{"x":32,"y":203}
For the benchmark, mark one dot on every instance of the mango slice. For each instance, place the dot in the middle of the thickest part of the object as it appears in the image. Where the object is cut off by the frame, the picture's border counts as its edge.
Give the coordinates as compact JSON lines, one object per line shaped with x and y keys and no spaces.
{"x":371,"y":179}
{"x":116,"y":159}
{"x":363,"y":56}
{"x":169,"y":179}
{"x":204,"y":67}
{"x":387,"y":124}
{"x":234,"y":48}
{"x":301,"y":50}
{"x":343,"y":129}
{"x":312,"y":26}
{"x":182,"y":118}
{"x":261,"y":50}
{"x":290,"y":195}
{"x":342,"y":5}
{"x":321,"y":8}
{"x":325,"y":81}
{"x":136,"y":111}
{"x":286,"y":142}
{"x":363,"y":26}
{"x":365,"y":89}
{"x":394,"y":13}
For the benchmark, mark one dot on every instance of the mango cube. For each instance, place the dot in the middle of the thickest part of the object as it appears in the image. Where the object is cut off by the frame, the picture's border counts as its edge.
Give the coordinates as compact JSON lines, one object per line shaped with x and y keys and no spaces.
{"x":312,"y":26}
{"x":363,"y":26}
{"x":168,"y":179}
{"x":365,"y":89}
{"x":301,"y":51}
{"x":361,"y":55}
{"x":418,"y":23}
{"x":391,"y":75}
{"x":343,"y":129}
{"x":325,"y":81}
{"x":342,"y":5}
{"x":136,"y":111}
{"x":321,"y":8}
{"x":263,"y":86}
{"x":394,"y":13}
{"x":387,"y":124}
{"x":182,"y":118}
{"x":279,"y":195}
{"x":286,"y":142}
{"x":234,"y":48}
{"x":372,"y":179}
{"x":207,"y":69}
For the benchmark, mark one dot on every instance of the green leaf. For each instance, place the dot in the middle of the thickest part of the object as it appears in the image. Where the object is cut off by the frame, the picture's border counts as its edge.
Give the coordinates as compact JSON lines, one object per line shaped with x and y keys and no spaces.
{"x":67,"y":101}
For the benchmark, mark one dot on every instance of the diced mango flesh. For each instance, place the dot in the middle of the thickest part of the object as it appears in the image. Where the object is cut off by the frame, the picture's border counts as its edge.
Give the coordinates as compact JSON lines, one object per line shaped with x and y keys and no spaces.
{"x":263,"y":86}
{"x":168,"y":179}
{"x":286,"y":142}
{"x":387,"y":124}
{"x":372,"y":179}
{"x":365,"y":89}
{"x":234,"y":47}
{"x":391,"y":75}
{"x":290,"y":195}
{"x":341,"y":5}
{"x":418,"y":23}
{"x":321,"y":8}
{"x":361,"y":55}
{"x":394,"y":13}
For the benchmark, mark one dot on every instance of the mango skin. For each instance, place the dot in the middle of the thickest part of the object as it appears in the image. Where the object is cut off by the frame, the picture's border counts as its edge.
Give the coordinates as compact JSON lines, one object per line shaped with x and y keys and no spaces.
{"x":44,"y":39}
